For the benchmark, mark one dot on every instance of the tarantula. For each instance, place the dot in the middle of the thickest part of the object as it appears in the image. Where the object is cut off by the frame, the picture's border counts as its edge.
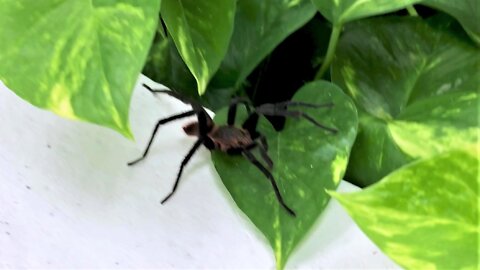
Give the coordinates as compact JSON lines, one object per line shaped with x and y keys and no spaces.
{"x":231,"y":139}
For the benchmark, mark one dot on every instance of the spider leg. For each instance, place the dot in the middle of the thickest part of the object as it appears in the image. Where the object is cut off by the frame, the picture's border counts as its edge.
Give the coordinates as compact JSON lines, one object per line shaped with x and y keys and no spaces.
{"x":263,"y":149}
{"x":272,"y":110}
{"x":159,"y":123}
{"x":195,"y":106}
{"x":269,"y":175}
{"x":184,"y":163}
{"x":170,"y":93}
{"x":251,"y":124}
{"x":309,"y":118}
{"x":265,"y":156}
{"x":205,"y":122}
{"x":201,"y":113}
{"x":263,"y":153}
{"x":264,"y":142}
{"x":232,"y":110}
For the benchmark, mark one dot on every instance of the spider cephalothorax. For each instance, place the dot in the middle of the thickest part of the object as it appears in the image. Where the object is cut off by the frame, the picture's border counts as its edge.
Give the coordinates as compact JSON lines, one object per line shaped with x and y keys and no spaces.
{"x":232,"y":139}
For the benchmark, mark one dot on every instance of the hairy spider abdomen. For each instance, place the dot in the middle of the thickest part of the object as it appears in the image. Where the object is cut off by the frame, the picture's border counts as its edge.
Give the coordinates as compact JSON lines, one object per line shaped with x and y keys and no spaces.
{"x":230,"y":138}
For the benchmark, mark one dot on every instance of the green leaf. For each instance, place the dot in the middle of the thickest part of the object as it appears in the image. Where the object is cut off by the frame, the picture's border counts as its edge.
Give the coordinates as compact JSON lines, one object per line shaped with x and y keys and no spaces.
{"x":79,"y":59}
{"x":416,"y":87}
{"x":259,"y":27}
{"x":467,"y":12}
{"x":307,"y":161}
{"x":165,"y":65}
{"x":424,"y":215}
{"x":342,"y":11}
{"x":201,"y":31}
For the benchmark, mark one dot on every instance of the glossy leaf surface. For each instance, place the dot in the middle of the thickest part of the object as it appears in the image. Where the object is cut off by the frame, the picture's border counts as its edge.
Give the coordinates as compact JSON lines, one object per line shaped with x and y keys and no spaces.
{"x":416,"y":86}
{"x":467,"y":12}
{"x":79,"y":59}
{"x":165,"y":65}
{"x":201,"y":31}
{"x":259,"y":27}
{"x":424,"y":215}
{"x":307,"y":160}
{"x":342,"y":11}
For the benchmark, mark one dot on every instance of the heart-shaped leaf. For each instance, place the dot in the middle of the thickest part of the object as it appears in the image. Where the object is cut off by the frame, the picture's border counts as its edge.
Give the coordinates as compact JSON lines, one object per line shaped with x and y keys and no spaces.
{"x":342,"y":11}
{"x":424,"y":215}
{"x":259,"y":27}
{"x":201,"y":31}
{"x":416,"y":88}
{"x":307,"y":160}
{"x":467,"y":12}
{"x":165,"y":65}
{"x":79,"y":59}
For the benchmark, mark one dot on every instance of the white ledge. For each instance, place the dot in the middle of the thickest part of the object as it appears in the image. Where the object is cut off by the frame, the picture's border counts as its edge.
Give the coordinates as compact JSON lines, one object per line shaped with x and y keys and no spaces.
{"x":68,"y":200}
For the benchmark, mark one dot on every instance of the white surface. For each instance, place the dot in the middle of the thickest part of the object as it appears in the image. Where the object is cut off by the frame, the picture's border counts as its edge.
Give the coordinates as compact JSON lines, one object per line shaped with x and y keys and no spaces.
{"x":68,"y":200}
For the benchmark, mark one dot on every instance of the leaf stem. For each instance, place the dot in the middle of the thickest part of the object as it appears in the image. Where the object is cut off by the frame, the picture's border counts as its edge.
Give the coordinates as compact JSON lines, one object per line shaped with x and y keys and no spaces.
{"x":412,"y":11}
{"x":332,"y":45}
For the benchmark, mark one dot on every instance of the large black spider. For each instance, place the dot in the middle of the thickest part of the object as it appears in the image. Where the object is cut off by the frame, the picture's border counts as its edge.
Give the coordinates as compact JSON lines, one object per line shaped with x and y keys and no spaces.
{"x":231,"y":139}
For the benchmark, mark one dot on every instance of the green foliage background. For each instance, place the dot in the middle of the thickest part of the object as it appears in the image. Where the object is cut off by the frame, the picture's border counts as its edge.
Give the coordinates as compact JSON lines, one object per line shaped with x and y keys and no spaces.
{"x":414,"y":81}
{"x":79,"y":59}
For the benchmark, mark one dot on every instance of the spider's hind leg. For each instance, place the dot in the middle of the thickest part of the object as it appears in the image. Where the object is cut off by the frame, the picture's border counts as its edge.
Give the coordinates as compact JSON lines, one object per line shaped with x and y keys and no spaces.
{"x":170,"y":93}
{"x":269,"y":175}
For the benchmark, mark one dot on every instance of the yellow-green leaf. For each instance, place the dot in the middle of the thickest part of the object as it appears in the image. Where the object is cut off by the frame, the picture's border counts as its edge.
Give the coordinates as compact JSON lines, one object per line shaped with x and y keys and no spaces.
{"x":79,"y":59}
{"x":416,"y":85}
{"x":424,"y":215}
{"x":201,"y":31}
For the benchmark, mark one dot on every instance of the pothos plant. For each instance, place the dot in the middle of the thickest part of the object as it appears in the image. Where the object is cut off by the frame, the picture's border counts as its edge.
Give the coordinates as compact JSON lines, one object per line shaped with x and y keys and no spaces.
{"x":409,"y":69}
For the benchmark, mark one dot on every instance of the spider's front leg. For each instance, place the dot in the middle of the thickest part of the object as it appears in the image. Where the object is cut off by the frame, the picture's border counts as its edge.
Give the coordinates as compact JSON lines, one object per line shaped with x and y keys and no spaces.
{"x":165,"y":120}
{"x":205,"y":125}
{"x":154,"y":133}
{"x":170,"y":93}
{"x":232,"y":109}
{"x":185,"y":160}
{"x":281,"y":109}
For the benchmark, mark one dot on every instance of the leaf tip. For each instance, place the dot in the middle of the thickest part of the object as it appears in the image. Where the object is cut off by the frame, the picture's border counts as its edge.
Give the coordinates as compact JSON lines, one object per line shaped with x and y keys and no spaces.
{"x":332,"y":193}
{"x":202,"y":87}
{"x":125,"y":131}
{"x":279,"y":262}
